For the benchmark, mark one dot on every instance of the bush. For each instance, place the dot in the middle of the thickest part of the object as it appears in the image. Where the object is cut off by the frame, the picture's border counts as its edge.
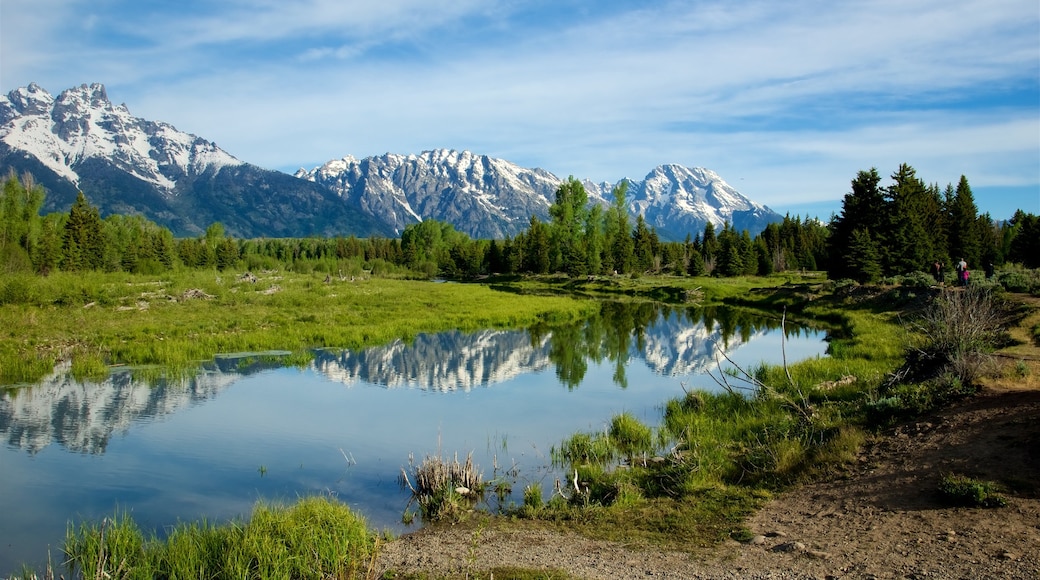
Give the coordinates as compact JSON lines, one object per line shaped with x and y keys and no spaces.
{"x":1017,"y":279}
{"x":958,"y":328}
{"x":965,"y":491}
{"x":18,"y":289}
{"x":918,"y":280}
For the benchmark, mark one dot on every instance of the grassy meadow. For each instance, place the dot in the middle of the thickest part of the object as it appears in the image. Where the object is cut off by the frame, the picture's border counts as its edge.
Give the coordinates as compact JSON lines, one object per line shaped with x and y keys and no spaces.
{"x":174,"y":322}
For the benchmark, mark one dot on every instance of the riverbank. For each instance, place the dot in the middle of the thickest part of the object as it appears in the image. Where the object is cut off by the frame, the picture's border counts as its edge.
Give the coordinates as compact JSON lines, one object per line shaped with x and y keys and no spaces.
{"x":880,"y":516}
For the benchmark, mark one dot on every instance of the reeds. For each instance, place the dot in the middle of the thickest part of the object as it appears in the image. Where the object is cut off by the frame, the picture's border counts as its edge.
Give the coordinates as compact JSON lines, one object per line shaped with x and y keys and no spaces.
{"x":444,"y":488}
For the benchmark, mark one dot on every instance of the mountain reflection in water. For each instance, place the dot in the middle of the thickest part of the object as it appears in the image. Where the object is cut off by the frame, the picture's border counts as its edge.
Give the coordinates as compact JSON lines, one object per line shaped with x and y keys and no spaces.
{"x":191,"y":447}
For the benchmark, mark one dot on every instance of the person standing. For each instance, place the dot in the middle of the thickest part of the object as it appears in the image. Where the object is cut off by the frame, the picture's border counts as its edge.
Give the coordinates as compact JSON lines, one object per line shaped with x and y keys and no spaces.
{"x":962,"y":272}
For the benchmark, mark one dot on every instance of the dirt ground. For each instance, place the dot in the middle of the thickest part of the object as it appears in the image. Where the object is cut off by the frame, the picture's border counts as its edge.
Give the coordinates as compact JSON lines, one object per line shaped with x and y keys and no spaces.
{"x":881,"y":519}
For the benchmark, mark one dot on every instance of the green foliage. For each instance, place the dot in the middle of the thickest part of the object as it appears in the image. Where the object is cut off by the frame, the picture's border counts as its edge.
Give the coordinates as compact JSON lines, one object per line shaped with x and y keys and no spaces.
{"x":185,"y":317}
{"x":901,"y":228}
{"x":314,"y":538}
{"x":965,"y":491}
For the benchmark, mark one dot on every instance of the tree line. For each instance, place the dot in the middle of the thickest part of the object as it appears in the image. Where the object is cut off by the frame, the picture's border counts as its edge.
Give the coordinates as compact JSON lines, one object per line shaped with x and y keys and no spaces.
{"x":881,"y":231}
{"x":909,"y":226}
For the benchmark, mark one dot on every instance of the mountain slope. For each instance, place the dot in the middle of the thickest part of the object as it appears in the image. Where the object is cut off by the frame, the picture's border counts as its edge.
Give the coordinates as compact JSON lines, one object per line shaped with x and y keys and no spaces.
{"x":493,"y":198}
{"x":79,"y":140}
{"x":124,"y":164}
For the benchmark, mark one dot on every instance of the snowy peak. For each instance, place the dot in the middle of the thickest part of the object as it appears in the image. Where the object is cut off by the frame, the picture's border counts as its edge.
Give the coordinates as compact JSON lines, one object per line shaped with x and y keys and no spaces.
{"x":493,"y":198}
{"x":82,"y":125}
{"x":80,"y":141}
{"x":480,"y":195}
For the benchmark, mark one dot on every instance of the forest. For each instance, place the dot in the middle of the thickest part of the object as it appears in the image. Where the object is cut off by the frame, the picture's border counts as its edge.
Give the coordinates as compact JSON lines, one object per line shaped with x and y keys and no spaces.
{"x":882,"y":231}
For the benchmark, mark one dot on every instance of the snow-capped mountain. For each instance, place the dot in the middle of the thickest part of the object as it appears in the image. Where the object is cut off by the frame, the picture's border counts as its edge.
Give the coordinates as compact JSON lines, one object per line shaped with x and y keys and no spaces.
{"x":492,"y":198}
{"x":479,"y":195}
{"x":678,"y":200}
{"x":80,"y":141}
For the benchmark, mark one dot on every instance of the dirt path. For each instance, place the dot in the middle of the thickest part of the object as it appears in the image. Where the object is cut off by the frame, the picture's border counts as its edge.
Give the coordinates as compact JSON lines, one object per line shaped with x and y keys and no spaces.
{"x":881,"y":519}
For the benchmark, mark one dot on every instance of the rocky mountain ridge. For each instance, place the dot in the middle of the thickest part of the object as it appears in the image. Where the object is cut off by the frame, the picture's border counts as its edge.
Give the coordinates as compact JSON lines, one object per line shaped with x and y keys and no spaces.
{"x":81,"y":141}
{"x":494,"y":198}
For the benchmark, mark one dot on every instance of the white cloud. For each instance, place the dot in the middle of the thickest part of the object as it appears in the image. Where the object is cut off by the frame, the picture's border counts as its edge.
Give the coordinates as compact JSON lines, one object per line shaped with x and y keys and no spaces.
{"x":782,"y":99}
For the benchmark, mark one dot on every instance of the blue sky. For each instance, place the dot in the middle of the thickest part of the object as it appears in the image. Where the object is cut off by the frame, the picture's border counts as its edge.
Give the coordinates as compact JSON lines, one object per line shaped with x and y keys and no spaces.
{"x":785,"y":100}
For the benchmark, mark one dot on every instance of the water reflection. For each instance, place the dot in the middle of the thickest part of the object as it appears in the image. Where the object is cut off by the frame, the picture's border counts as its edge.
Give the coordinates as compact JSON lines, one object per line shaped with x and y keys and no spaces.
{"x":82,"y":416}
{"x":193,"y":447}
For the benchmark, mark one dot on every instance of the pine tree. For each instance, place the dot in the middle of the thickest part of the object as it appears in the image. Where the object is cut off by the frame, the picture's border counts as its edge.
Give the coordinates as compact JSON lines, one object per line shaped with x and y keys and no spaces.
{"x":911,"y":246}
{"x":864,"y":209}
{"x":964,"y":236}
{"x":618,"y":240}
{"x":83,"y":244}
{"x":864,"y":261}
{"x":709,"y":248}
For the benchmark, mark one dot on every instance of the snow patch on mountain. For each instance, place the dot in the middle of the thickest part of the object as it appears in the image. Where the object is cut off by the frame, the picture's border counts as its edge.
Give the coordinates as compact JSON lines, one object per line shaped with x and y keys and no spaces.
{"x":81,"y":124}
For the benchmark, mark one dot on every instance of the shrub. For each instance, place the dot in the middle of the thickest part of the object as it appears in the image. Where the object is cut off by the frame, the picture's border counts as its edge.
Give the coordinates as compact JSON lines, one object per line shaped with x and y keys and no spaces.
{"x":1017,"y":279}
{"x":965,"y":491}
{"x":918,"y":280}
{"x":958,"y":328}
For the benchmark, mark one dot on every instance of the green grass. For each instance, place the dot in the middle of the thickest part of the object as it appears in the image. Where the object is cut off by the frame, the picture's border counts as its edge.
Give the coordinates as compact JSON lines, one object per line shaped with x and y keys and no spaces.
{"x":177,"y":321}
{"x":314,"y":538}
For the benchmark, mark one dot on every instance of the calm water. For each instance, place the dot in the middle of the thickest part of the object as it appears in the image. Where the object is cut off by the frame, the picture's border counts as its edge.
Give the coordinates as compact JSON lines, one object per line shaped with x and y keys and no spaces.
{"x":247,"y":429}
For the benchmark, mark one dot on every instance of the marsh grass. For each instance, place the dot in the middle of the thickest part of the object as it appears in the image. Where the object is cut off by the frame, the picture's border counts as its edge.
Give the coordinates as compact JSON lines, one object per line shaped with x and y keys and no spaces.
{"x":314,"y":538}
{"x":444,"y":488}
{"x":716,"y":455}
{"x":179,"y":320}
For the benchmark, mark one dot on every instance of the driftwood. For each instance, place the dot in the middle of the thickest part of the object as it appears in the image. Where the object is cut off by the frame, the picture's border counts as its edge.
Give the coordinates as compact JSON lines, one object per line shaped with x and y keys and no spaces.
{"x":196,"y":294}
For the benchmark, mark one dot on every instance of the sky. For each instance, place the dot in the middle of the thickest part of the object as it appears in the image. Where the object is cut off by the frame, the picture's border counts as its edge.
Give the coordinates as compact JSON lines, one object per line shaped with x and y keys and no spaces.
{"x":786,"y":101}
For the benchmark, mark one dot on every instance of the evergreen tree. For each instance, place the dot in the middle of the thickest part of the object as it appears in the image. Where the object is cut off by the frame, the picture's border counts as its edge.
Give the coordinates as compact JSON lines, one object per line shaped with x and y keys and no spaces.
{"x":730,"y":260}
{"x":536,"y":248}
{"x":964,"y":235}
{"x":569,"y":217}
{"x":911,"y":246}
{"x":83,"y":243}
{"x":227,"y":254}
{"x":709,"y":248}
{"x":643,"y":246}
{"x":618,"y":241}
{"x":593,"y":241}
{"x":863,"y":209}
{"x":1024,"y":243}
{"x":864,"y":260}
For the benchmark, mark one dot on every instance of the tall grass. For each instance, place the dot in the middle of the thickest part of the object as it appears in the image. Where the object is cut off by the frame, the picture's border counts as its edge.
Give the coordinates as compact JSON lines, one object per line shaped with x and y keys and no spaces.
{"x":314,"y":538}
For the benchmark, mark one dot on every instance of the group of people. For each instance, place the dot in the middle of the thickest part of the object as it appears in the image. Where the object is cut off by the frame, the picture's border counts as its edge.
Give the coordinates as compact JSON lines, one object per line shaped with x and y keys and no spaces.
{"x":962,"y":272}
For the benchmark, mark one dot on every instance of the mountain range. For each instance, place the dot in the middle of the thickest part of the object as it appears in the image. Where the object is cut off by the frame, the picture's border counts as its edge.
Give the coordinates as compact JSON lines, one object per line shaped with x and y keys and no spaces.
{"x":81,"y":141}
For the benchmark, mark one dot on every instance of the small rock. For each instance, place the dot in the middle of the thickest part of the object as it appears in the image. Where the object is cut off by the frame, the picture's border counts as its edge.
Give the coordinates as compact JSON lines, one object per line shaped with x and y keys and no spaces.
{"x":776,"y":534}
{"x":758,"y":540}
{"x":790,"y":547}
{"x":818,"y":554}
{"x":1005,"y":555}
